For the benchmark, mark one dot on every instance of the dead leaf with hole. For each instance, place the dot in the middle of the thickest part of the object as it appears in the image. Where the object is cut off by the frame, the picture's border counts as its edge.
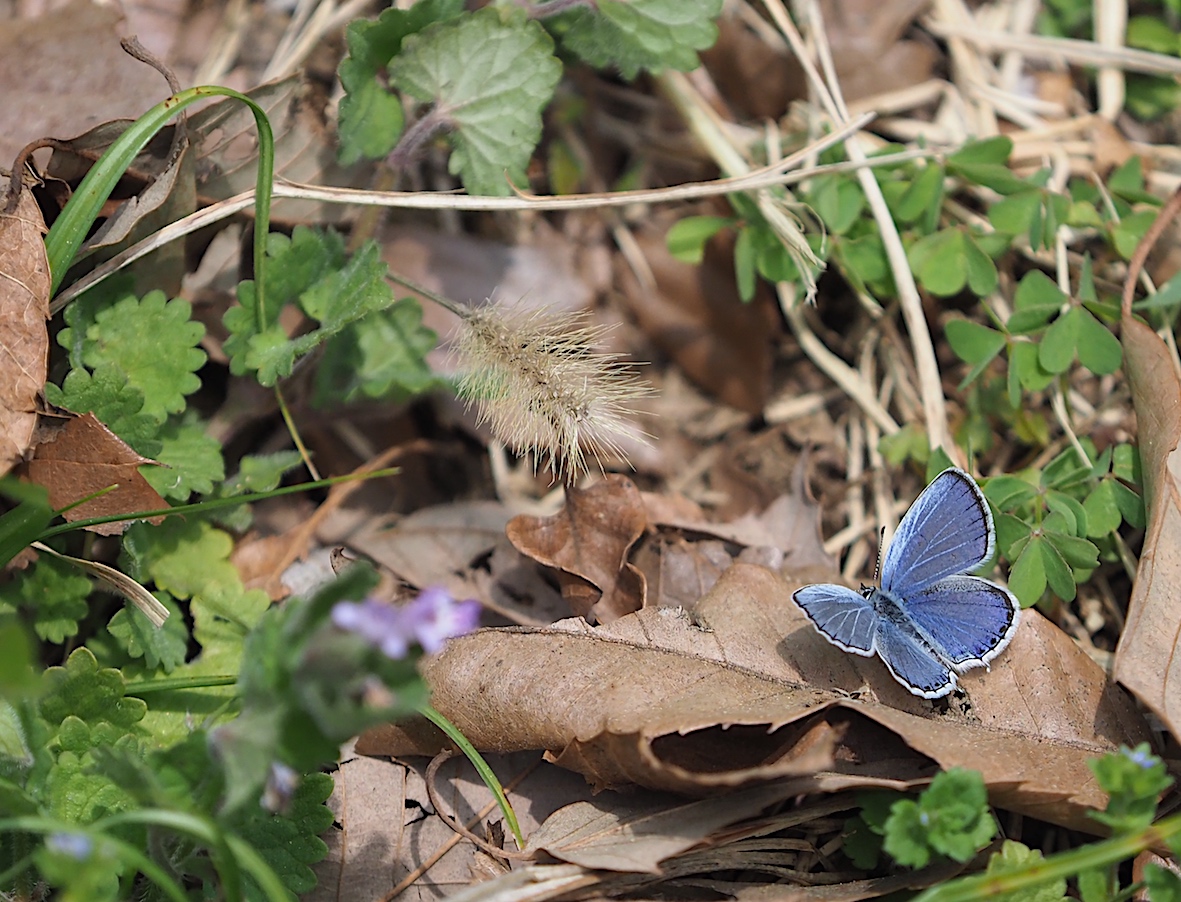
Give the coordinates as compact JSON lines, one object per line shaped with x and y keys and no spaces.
{"x":750,"y":692}
{"x":588,"y":543}
{"x":225,"y":145}
{"x":1148,"y":657}
{"x":24,"y":335}
{"x":86,"y":457}
{"x":695,"y":315}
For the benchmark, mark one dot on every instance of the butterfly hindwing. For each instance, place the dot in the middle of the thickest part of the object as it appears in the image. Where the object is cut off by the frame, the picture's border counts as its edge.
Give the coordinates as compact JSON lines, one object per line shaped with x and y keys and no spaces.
{"x":970,"y":619}
{"x":913,"y":663}
{"x":947,"y":531}
{"x":844,"y":617}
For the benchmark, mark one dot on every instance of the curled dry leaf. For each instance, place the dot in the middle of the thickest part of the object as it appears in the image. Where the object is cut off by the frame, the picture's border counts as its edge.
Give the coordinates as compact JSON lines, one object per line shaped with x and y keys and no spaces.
{"x":588,"y":542}
{"x":750,"y":692}
{"x":1148,"y":657}
{"x":24,"y":337}
{"x":84,"y":458}
{"x":164,"y":187}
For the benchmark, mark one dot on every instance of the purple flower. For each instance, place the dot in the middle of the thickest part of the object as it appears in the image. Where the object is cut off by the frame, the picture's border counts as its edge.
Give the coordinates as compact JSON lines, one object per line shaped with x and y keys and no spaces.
{"x":377,"y":623}
{"x":429,"y":621}
{"x":75,"y":845}
{"x":437,"y":617}
{"x":1139,"y":755}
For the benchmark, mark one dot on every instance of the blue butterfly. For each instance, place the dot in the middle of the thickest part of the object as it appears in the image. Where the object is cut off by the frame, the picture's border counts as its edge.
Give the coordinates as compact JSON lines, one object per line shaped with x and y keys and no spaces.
{"x":928,"y":621}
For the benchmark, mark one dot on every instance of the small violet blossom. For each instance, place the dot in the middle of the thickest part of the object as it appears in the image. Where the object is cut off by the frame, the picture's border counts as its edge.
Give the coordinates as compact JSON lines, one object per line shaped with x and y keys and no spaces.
{"x":75,"y":845}
{"x":1139,"y":756}
{"x":429,"y":621}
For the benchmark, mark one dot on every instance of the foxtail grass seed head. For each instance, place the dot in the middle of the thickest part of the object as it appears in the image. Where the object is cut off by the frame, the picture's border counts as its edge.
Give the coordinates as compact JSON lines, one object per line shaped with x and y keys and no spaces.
{"x":536,"y":379}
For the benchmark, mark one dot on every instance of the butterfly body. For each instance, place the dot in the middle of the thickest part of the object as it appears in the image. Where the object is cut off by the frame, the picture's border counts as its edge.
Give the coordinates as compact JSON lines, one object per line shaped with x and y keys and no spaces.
{"x":929,"y":620}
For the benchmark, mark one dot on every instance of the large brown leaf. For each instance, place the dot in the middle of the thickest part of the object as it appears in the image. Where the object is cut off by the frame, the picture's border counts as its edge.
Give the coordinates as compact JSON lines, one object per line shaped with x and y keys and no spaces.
{"x":64,"y":72}
{"x":1148,"y":657}
{"x":24,"y":338}
{"x":747,"y":691}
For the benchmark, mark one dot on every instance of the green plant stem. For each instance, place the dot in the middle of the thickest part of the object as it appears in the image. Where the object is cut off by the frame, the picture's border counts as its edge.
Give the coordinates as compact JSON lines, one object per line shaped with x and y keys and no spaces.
{"x":1060,"y":866}
{"x":140,"y":688}
{"x":446,"y":303}
{"x":213,"y":503}
{"x":285,"y":412}
{"x":481,"y":766}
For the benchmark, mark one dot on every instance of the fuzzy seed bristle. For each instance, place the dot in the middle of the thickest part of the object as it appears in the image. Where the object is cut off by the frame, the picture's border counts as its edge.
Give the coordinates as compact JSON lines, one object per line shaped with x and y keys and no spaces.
{"x":539,"y":384}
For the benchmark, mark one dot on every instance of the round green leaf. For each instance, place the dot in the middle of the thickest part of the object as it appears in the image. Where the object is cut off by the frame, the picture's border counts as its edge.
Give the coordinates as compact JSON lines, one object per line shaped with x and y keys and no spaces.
{"x":1027,"y":578}
{"x":973,"y":342}
{"x":1103,"y":514}
{"x":1078,"y":553}
{"x":686,"y":239}
{"x":982,"y":277}
{"x":1098,"y":350}
{"x":1058,"y":575}
{"x":940,"y":262}
{"x":744,"y":264}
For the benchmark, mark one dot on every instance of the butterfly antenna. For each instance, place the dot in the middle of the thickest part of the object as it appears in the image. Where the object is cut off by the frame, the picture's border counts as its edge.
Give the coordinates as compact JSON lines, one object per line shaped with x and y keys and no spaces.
{"x":877,"y":569}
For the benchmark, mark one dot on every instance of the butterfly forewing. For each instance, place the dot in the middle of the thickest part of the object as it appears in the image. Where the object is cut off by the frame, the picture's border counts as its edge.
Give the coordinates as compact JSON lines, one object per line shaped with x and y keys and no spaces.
{"x":970,"y":619}
{"x":947,"y":531}
{"x":844,"y":617}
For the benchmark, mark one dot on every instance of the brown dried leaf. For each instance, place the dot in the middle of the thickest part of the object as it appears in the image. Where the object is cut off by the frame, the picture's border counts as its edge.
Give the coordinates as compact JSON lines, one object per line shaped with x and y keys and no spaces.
{"x":590,"y":539}
{"x":867,"y":47}
{"x":24,"y":337}
{"x":695,"y":315}
{"x":1148,"y":657}
{"x":790,"y":524}
{"x":756,"y":694}
{"x":64,"y":72}
{"x":386,"y":827}
{"x":86,"y":457}
{"x":635,"y":836}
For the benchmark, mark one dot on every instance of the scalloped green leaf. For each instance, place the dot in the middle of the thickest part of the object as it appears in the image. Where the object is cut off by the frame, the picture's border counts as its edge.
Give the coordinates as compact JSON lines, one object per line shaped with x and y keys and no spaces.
{"x":107,"y":394}
{"x":381,"y":356}
{"x":154,"y":342}
{"x":371,"y":118}
{"x":52,"y":594}
{"x":92,"y":694}
{"x":163,"y":648}
{"x":641,"y":34}
{"x":291,"y":842}
{"x":193,"y":461}
{"x":488,"y":76}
